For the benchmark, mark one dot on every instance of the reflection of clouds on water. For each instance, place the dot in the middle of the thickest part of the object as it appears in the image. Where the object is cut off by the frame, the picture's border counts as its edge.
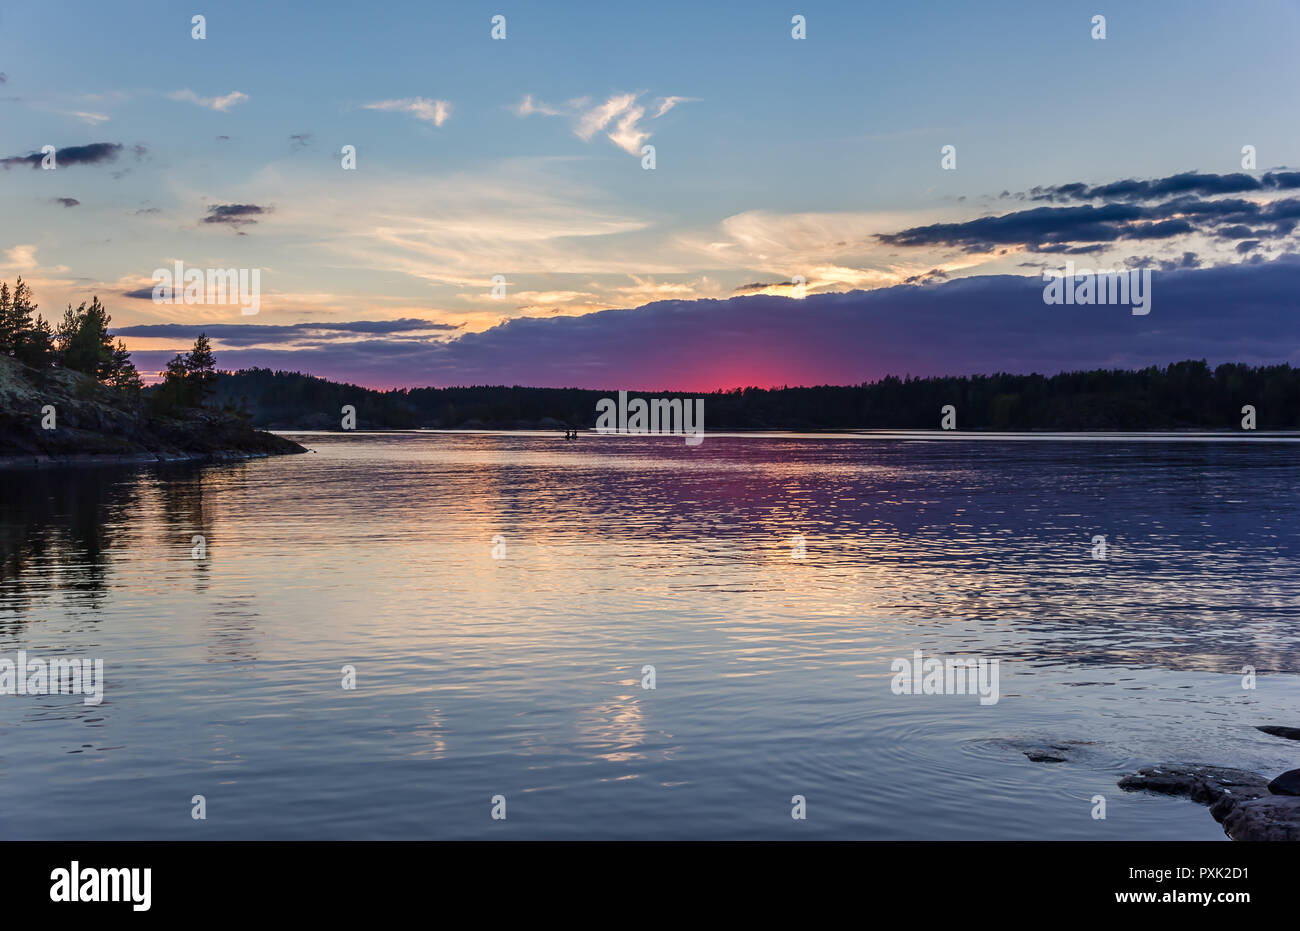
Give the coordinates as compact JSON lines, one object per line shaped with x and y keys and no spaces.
{"x":773,"y":662}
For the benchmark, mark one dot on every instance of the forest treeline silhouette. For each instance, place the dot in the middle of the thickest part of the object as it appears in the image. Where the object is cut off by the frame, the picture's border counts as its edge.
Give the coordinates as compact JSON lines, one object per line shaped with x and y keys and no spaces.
{"x":1183,"y":395}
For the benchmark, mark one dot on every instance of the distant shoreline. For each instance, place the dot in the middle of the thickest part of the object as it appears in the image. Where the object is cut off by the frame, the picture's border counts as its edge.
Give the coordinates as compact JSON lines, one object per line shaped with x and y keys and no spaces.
{"x":1151,"y":436}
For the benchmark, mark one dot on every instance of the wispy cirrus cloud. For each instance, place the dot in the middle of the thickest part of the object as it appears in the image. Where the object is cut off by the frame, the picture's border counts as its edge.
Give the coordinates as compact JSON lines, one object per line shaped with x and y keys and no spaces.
{"x":620,"y":117}
{"x":528,"y":106}
{"x":91,"y":119}
{"x":219,"y":104}
{"x":424,"y":109}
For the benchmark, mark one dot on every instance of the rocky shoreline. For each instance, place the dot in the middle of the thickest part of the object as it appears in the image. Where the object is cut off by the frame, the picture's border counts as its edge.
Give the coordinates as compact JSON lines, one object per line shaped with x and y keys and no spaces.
{"x":1250,"y":806}
{"x":57,"y":417}
{"x":76,"y":460}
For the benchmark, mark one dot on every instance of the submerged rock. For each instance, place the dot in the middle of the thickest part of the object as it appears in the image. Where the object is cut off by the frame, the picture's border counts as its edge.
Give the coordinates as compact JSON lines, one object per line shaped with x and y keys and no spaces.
{"x":1052,"y":755}
{"x":1043,"y":751}
{"x":1277,"y":730}
{"x":1239,"y":800}
{"x":1286,"y":784}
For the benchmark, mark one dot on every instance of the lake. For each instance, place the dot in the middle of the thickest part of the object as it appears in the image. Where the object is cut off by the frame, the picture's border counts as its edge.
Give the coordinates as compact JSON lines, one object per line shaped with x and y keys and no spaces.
{"x":500,"y":596}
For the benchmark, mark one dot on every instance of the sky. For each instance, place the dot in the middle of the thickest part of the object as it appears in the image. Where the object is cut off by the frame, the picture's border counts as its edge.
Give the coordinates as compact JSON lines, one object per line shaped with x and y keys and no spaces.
{"x":798,"y":226}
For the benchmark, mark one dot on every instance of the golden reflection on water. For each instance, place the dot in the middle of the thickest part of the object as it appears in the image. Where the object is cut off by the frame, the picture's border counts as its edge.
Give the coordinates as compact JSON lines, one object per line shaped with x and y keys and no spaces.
{"x":772,"y":655}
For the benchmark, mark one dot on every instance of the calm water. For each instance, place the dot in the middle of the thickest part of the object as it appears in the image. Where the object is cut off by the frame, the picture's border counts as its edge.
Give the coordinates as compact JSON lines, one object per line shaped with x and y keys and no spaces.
{"x":521,"y":676}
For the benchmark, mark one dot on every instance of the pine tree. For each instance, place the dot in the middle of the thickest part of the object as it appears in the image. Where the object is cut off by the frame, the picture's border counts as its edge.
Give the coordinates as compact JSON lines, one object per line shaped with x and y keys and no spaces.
{"x":6,"y":327}
{"x":84,"y":343}
{"x":35,"y":346}
{"x":174,"y":392}
{"x":123,"y":374}
{"x":201,"y":369}
{"x":17,"y":318}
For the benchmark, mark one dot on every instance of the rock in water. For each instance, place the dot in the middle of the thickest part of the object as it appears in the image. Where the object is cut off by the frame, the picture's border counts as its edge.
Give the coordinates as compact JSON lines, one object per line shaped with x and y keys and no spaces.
{"x":1047,"y":756}
{"x":1277,"y":730}
{"x":1205,"y":784}
{"x":1276,"y":817}
{"x":1238,"y":800}
{"x":1286,"y":784}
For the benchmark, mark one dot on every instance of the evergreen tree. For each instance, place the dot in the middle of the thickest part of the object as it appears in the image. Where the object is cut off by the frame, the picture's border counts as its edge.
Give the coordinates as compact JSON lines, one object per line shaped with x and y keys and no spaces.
{"x":6,"y":328}
{"x":35,"y":346}
{"x":201,"y":370}
{"x":84,"y":343}
{"x":174,"y":392}
{"x":16,"y":318}
{"x":123,"y":374}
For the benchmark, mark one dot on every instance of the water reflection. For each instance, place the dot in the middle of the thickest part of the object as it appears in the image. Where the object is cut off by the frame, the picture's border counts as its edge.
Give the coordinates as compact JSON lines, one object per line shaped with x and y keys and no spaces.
{"x":521,"y":674}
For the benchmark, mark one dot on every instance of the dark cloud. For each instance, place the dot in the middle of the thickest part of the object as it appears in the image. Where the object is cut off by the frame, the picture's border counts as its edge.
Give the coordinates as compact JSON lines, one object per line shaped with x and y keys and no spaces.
{"x":66,"y":201}
{"x":1241,"y":313}
{"x":3,"y":77}
{"x":930,"y":277}
{"x":248,"y":334}
{"x":1088,"y":227}
{"x":1194,"y":183}
{"x":235,"y":214}
{"x":95,"y":153}
{"x":759,"y":286}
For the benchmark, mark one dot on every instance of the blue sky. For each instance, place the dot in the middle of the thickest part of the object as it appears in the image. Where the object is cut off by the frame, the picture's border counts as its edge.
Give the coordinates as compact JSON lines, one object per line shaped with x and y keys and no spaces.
{"x":774,"y":157}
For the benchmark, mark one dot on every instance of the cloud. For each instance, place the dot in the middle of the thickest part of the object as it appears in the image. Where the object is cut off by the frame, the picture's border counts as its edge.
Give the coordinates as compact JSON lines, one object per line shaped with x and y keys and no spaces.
{"x":235,"y":214}
{"x":309,"y":334}
{"x":95,"y":153}
{"x":422,"y":108}
{"x":667,"y":103}
{"x":619,"y":117}
{"x":220,"y":104}
{"x":1088,"y":227}
{"x":1187,"y":183}
{"x":93,"y":119}
{"x":527,"y":107}
{"x":66,"y":201}
{"x":987,"y":323}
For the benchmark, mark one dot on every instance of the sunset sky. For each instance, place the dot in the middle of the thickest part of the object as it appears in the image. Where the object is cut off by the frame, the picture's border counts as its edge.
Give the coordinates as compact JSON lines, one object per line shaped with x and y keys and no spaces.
{"x":775,"y":158}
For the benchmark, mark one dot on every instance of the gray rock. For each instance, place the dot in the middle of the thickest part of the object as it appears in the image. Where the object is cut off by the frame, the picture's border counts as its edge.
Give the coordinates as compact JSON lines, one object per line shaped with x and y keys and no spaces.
{"x":1274,"y":817}
{"x":1277,"y":730}
{"x":1286,"y":784}
{"x":1217,"y":786}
